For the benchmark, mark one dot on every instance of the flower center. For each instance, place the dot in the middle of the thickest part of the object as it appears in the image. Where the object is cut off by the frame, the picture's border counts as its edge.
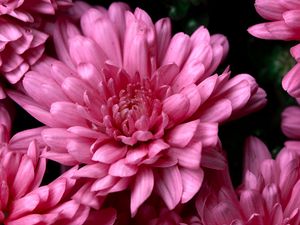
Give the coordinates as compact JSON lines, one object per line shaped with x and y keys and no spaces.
{"x":131,"y":114}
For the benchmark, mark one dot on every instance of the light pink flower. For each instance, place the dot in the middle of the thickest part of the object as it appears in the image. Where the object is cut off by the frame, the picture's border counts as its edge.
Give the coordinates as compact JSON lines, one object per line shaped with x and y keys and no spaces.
{"x":22,"y":199}
{"x":136,"y":107}
{"x":26,"y":10}
{"x":284,"y":25}
{"x":284,"y":17}
{"x":217,"y":202}
{"x":269,"y":193}
{"x":21,"y":39}
{"x":271,"y":188}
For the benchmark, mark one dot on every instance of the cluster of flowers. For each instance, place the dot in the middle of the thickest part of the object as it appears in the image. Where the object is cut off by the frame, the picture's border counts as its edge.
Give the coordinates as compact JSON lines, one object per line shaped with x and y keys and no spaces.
{"x":131,"y":113}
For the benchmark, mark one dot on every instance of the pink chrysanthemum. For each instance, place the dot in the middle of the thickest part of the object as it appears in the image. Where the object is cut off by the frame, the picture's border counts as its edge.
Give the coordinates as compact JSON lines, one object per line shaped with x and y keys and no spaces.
{"x":27,"y":10}
{"x":284,"y":15}
{"x":22,"y":43}
{"x":271,"y":188}
{"x":269,"y":193}
{"x":284,"y":25}
{"x":290,"y":123}
{"x":135,"y":106}
{"x":24,"y":201}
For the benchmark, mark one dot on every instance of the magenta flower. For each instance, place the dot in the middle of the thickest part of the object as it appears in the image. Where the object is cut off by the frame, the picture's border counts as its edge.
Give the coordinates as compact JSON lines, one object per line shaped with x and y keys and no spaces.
{"x":135,"y":106}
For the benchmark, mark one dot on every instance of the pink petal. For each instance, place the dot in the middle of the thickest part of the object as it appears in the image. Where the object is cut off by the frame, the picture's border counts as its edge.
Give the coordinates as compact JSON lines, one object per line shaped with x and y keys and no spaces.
{"x":63,"y":31}
{"x":217,"y":111}
{"x":271,"y":196}
{"x":163,"y":31}
{"x":109,"y":153}
{"x":85,"y":50}
{"x":252,"y":203}
{"x":57,"y":138}
{"x":192,"y":181}
{"x":176,"y":106}
{"x":155,"y":147}
{"x":67,"y":113}
{"x":178,"y":50}
{"x":63,"y":158}
{"x":142,"y":189}
{"x":121,"y":169}
{"x":168,"y":184}
{"x":291,"y":81}
{"x":96,"y":170}
{"x":105,"y":35}
{"x":290,"y":119}
{"x":136,"y":155}
{"x":207,"y":134}
{"x":274,"y":30}
{"x":189,"y":156}
{"x":193,"y":94}
{"x":86,"y":197}
{"x":211,"y":158}
{"x":104,"y":183}
{"x":182,"y":134}
{"x":255,"y":153}
{"x":270,"y":10}
{"x":24,"y":205}
{"x":292,"y":18}
{"x":21,"y":185}
{"x":80,"y":150}
{"x":136,"y":56}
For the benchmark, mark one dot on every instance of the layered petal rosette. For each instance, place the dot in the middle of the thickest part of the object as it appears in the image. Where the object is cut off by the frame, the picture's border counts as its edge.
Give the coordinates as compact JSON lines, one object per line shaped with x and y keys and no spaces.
{"x":284,"y":25}
{"x":269,"y":193}
{"x":21,"y":37}
{"x":138,"y":109}
{"x":28,"y":10}
{"x":270,"y":190}
{"x":284,"y":17}
{"x":22,"y":199}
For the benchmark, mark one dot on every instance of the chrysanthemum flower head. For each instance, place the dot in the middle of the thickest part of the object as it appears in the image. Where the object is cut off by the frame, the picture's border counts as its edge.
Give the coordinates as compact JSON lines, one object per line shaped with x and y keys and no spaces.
{"x":135,"y":106}
{"x":22,"y":199}
{"x":22,"y":41}
{"x":268,"y":195}
{"x":284,"y":25}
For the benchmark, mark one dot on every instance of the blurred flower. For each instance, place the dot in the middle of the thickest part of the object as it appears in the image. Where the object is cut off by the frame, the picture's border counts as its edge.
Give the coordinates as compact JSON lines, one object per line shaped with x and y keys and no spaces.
{"x":271,"y":188}
{"x":284,"y":25}
{"x":284,"y":15}
{"x":269,"y":193}
{"x":136,"y":107}
{"x":150,"y":214}
{"x":290,"y":123}
{"x":27,"y":10}
{"x":217,"y":202}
